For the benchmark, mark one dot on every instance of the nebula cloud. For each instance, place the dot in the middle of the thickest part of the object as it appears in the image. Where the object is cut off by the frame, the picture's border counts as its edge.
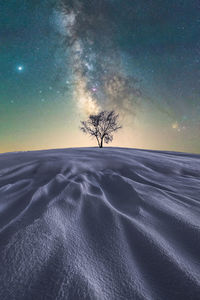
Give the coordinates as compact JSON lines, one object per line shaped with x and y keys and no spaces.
{"x":89,"y":30}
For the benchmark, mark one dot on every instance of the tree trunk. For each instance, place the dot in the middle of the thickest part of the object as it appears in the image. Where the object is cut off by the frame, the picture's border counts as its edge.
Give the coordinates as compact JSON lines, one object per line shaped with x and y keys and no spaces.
{"x":101,"y":144}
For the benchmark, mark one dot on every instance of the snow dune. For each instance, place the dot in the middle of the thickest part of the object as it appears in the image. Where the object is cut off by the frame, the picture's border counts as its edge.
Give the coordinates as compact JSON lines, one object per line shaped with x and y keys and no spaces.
{"x":99,"y":224}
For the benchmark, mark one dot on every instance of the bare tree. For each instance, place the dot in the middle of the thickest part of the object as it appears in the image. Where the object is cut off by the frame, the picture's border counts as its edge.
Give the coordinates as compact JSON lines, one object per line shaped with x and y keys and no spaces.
{"x":101,"y":126}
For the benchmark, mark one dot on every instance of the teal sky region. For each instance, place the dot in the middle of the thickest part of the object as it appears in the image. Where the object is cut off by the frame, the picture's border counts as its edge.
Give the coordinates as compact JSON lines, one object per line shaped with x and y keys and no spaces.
{"x":62,"y":60}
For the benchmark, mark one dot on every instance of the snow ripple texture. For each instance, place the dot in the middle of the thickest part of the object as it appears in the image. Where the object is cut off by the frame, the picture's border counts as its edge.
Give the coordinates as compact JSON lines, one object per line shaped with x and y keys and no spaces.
{"x":103,"y":224}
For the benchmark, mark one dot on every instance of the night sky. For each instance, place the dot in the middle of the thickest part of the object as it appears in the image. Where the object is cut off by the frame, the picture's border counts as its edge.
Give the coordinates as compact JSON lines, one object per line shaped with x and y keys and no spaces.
{"x":62,"y":60}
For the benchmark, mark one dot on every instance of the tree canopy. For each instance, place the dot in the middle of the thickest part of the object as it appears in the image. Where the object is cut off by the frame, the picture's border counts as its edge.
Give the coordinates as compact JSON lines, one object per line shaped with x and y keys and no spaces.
{"x":102,"y":126}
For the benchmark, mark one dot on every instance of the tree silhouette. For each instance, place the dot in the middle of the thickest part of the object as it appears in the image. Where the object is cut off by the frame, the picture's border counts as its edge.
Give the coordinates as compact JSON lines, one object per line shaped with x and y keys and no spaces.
{"x":101,"y":126}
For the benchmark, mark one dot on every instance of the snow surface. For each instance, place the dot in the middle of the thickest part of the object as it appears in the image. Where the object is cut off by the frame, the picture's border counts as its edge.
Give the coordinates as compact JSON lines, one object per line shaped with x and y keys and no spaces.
{"x":99,"y":224}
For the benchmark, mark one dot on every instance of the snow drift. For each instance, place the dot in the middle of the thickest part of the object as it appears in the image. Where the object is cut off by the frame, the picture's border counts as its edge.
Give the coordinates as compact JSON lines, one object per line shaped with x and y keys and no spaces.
{"x":99,"y":224}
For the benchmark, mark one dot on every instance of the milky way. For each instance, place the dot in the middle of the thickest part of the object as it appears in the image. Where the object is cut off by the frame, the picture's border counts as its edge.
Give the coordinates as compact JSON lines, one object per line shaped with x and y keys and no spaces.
{"x":90,"y":31}
{"x":106,"y":36}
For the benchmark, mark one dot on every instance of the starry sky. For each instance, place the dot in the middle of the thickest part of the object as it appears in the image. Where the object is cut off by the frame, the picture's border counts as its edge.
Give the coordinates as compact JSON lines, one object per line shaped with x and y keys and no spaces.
{"x":63,"y":60}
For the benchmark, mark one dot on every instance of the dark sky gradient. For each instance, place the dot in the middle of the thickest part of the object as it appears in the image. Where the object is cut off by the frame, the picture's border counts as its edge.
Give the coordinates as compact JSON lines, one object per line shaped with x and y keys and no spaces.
{"x":141,"y":58}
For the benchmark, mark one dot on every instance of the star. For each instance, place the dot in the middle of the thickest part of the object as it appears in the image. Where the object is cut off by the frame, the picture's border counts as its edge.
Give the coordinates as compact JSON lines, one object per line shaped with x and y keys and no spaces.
{"x":175,"y":125}
{"x":20,"y":68}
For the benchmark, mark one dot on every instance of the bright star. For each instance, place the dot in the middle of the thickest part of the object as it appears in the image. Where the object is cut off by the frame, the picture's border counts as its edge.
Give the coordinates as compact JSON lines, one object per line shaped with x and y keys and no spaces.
{"x":20,"y":68}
